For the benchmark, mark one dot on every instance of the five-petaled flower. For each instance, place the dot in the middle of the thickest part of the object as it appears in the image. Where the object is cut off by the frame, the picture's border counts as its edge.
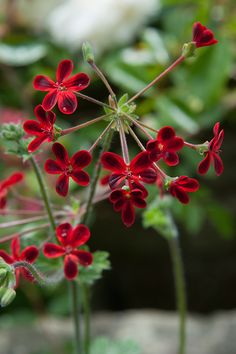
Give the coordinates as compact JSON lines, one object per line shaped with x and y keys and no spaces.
{"x":64,"y":89}
{"x":43,"y":129}
{"x":28,"y":254}
{"x":212,"y":155}
{"x":125,"y":200}
{"x":202,"y":36}
{"x":139,"y":170}
{"x":6,"y":184}
{"x":165,"y":146}
{"x":181,"y":186}
{"x":67,"y":168}
{"x":70,"y":239}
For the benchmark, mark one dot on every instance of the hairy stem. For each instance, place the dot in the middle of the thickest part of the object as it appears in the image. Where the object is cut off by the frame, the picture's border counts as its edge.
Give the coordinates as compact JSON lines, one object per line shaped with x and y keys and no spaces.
{"x":76,"y":317}
{"x":104,"y":80}
{"x":101,"y":136}
{"x":86,"y":306}
{"x":93,"y":100}
{"x":83,"y":125}
{"x":178,"y":270}
{"x":123,"y":141}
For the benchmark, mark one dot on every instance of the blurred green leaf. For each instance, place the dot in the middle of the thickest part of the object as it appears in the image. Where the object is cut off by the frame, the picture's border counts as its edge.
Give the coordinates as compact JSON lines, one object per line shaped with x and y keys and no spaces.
{"x":103,"y":345}
{"x":21,"y":54}
{"x":88,"y":275}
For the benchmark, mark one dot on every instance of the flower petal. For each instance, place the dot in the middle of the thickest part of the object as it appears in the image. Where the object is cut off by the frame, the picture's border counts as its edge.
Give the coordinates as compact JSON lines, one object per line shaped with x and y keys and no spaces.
{"x":116,"y":195}
{"x":77,"y":82}
{"x":29,"y":254}
{"x":128,"y":214}
{"x":139,"y":202}
{"x":15,"y":247}
{"x":64,"y":232}
{"x":50,"y":250}
{"x":218,"y":164}
{"x":13,"y":179}
{"x":67,"y":102}
{"x":174,"y":144}
{"x":181,"y":195}
{"x":70,"y":267}
{"x":62,"y":185}
{"x":118,"y":205}
{"x":64,"y":70}
{"x":165,"y":134}
{"x":136,"y":185}
{"x":149,"y":175}
{"x":140,"y":162}
{"x":81,"y":159}
{"x":50,"y":100}
{"x":35,"y":143}
{"x":80,"y":177}
{"x":171,"y":158}
{"x":85,"y":258}
{"x":113,"y":162}
{"x":204,"y":165}
{"x":6,"y":257}
{"x":44,"y":117}
{"x":43,"y":83}
{"x":53,"y":167}
{"x":32,"y":127}
{"x":61,"y":154}
{"x":188,"y":184}
{"x":115,"y":180}
{"x":79,"y":236}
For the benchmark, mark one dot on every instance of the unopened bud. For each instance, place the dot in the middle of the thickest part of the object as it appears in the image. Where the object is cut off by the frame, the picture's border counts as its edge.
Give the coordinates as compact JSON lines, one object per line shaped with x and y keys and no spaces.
{"x":88,"y":54}
{"x":7,"y":296}
{"x":3,"y":273}
{"x":188,"y":50}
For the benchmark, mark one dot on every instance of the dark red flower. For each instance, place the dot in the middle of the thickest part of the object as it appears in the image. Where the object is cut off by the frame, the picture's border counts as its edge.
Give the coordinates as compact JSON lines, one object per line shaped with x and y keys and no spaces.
{"x":29,"y":254}
{"x":6,"y":184}
{"x":181,"y":186}
{"x":202,"y":36}
{"x":67,"y":168}
{"x":212,"y":155}
{"x":70,"y":239}
{"x":63,"y":89}
{"x":139,"y":170}
{"x":125,"y":200}
{"x":165,"y":146}
{"x":43,"y":129}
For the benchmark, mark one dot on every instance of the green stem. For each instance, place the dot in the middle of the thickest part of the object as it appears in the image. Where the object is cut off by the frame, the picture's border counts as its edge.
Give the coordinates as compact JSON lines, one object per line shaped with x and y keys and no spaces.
{"x":76,"y":317}
{"x":43,"y":191}
{"x":178,"y":270}
{"x":86,"y":305}
{"x":96,"y":174}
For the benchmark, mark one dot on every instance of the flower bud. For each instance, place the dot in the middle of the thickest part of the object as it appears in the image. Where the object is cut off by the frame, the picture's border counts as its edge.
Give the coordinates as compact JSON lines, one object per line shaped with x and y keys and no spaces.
{"x":188,"y":50}
{"x":88,"y":52}
{"x":3,"y":273}
{"x":7,"y":296}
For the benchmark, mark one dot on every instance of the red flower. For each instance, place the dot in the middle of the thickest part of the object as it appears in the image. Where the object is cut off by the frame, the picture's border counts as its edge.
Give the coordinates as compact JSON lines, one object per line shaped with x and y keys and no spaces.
{"x":70,"y":239}
{"x":138,"y":170}
{"x":6,"y":184}
{"x":181,"y":186}
{"x":63,"y":90}
{"x":125,"y":201}
{"x":202,"y":36}
{"x":165,"y":146}
{"x":67,"y":168}
{"x":212,"y":155}
{"x":43,"y":130}
{"x":29,"y":254}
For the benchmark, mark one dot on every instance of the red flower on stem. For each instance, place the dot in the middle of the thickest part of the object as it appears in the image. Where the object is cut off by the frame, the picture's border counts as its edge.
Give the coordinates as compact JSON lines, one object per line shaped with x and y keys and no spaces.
{"x":181,"y":186}
{"x":63,"y":89}
{"x":125,"y":200}
{"x":212,"y":155}
{"x":165,"y":146}
{"x":43,"y":129}
{"x":29,"y":254}
{"x":202,"y":36}
{"x":70,"y":239}
{"x":139,"y":170}
{"x":67,"y":168}
{"x":6,"y":184}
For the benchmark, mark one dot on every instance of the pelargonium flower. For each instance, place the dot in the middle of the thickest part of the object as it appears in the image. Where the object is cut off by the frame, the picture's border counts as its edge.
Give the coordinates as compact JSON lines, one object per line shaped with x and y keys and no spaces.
{"x":181,"y":186}
{"x":28,"y":254}
{"x":165,"y":146}
{"x":139,"y":170}
{"x":70,"y":239}
{"x":202,"y":36}
{"x":43,"y":129}
{"x":212,"y":155}
{"x":63,"y":89}
{"x":6,"y":184}
{"x":125,"y":200}
{"x":67,"y":168}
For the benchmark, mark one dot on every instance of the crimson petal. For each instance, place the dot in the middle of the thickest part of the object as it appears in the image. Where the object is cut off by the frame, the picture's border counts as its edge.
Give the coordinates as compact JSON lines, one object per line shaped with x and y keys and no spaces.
{"x":53,"y":167}
{"x":182,"y":195}
{"x":80,"y":177}
{"x":62,"y":185}
{"x":43,"y":83}
{"x":15,"y":247}
{"x":113,"y":162}
{"x":64,"y":70}
{"x":116,"y":195}
{"x":29,"y":254}
{"x":34,"y":145}
{"x":140,"y":162}
{"x":7,"y":258}
{"x":128,"y":214}
{"x":32,"y":127}
{"x":148,"y":175}
{"x":118,"y":205}
{"x":79,"y":236}
{"x":85,"y":258}
{"x":81,"y":159}
{"x":70,"y":267}
{"x":50,"y":250}
{"x":77,"y":82}
{"x":115,"y":180}
{"x":165,"y":134}
{"x":218,"y":164}
{"x":61,"y":154}
{"x":63,"y":232}
{"x":13,"y":179}
{"x":204,"y":165}
{"x":67,"y":102}
{"x":50,"y":100}
{"x":139,"y":202}
{"x":171,"y":158}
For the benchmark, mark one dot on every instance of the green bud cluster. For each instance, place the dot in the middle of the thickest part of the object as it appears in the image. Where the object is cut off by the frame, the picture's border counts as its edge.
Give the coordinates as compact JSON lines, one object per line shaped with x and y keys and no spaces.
{"x":12,"y":135}
{"x":7,"y":283}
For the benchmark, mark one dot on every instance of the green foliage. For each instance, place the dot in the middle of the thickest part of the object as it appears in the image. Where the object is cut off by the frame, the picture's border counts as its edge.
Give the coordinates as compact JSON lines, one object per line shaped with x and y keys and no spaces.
{"x":88,"y":275}
{"x":105,"y":345}
{"x":12,"y":135}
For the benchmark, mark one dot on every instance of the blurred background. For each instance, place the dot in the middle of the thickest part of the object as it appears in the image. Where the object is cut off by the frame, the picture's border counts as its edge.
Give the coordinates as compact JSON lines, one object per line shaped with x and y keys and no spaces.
{"x":134,"y":40}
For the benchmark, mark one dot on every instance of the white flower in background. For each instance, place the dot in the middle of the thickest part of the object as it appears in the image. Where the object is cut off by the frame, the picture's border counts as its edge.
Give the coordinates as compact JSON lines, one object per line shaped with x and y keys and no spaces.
{"x":104,"y":23}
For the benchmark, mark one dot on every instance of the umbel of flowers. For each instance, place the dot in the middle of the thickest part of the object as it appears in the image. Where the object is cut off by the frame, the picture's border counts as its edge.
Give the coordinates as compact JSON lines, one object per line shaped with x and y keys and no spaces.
{"x":125,"y":184}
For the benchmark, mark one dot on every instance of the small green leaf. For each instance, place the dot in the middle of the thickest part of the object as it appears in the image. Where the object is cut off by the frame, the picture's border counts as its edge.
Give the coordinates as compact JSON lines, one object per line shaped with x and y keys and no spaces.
{"x":88,"y":275}
{"x":123,"y":99}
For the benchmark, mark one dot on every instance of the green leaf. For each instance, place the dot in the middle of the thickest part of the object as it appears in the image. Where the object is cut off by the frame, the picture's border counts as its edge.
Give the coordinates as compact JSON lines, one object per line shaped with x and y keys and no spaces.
{"x":123,"y":99}
{"x":88,"y":275}
{"x":154,"y":40}
{"x":103,"y":345}
{"x":19,"y":55}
